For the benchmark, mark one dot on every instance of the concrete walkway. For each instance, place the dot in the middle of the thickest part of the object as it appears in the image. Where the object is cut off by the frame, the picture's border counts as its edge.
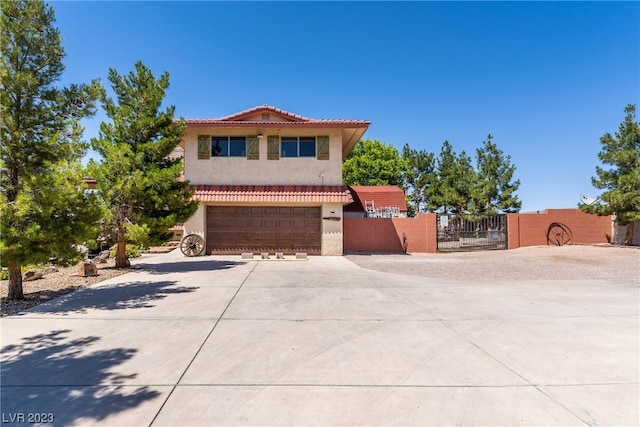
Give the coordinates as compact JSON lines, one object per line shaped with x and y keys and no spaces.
{"x":216,"y":341}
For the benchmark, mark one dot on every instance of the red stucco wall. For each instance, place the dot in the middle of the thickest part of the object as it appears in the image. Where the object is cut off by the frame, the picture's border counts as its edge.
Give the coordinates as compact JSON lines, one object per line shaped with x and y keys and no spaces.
{"x":530,"y":229}
{"x":385,"y":235}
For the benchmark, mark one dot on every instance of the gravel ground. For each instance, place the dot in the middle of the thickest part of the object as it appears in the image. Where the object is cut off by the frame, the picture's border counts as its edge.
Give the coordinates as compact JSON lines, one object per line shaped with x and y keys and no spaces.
{"x":573,"y":262}
{"x":54,"y":285}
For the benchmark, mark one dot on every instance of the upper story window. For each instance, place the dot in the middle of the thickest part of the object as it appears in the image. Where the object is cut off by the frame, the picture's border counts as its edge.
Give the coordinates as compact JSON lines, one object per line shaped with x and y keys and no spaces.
{"x":298,"y":146}
{"x":228,"y":146}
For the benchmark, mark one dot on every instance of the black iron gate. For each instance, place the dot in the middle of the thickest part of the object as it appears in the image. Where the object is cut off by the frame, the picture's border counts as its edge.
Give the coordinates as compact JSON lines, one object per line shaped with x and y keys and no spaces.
{"x":460,"y":233}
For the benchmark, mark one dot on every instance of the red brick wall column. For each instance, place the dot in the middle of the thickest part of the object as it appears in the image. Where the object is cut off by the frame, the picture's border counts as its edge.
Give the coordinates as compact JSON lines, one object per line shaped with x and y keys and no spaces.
{"x":513,"y":231}
{"x":432,"y":232}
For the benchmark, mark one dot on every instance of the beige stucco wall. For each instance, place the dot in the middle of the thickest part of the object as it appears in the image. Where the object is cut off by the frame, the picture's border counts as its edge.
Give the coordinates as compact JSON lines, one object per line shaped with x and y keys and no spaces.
{"x":285,"y":171}
{"x":196,"y":224}
{"x":332,"y":230}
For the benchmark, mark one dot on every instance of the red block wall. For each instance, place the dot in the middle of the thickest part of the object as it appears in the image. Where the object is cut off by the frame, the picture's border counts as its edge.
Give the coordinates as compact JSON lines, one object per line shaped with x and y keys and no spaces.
{"x":385,"y":235}
{"x":530,"y":229}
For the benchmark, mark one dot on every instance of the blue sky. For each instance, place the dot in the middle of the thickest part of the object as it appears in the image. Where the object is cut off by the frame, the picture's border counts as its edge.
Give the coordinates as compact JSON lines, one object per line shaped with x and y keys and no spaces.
{"x":546,"y":79}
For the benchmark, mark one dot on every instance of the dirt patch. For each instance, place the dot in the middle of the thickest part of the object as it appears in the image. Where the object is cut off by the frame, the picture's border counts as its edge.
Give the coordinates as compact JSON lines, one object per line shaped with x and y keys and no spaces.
{"x":572,"y":262}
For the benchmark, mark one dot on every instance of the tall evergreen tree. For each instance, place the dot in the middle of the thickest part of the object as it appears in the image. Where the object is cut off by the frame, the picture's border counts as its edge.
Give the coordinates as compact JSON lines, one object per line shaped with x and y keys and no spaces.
{"x":373,"y":163}
{"x":137,"y":180}
{"x":451,"y":193}
{"x":494,"y":190}
{"x":419,"y":174}
{"x":461,"y":184}
{"x":621,"y":181}
{"x":43,"y":206}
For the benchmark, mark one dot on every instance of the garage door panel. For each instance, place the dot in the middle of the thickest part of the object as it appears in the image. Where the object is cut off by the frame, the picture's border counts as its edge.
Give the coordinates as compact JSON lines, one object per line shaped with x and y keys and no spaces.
{"x":299,"y":223}
{"x":226,"y":222}
{"x":285,"y":239}
{"x":225,"y":237}
{"x":242,"y":222}
{"x":285,"y":223}
{"x":243,"y":236}
{"x":236,"y":229}
{"x":270,"y":222}
{"x":269,"y":236}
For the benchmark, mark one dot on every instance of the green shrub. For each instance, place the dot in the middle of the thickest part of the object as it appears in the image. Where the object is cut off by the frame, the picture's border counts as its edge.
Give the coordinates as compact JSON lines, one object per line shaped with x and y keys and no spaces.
{"x":132,"y":251}
{"x":138,"y":234}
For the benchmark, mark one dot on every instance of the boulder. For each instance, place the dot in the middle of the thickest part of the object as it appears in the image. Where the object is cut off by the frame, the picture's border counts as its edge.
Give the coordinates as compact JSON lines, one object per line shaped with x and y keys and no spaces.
{"x":102,"y":257}
{"x":87,"y":268}
{"x":32,"y":275}
{"x":29,"y":273}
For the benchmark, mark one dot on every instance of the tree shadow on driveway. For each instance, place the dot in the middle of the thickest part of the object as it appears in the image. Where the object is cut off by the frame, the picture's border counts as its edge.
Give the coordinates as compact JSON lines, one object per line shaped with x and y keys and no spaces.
{"x":186,"y":266}
{"x":59,"y":376}
{"x":121,"y":296}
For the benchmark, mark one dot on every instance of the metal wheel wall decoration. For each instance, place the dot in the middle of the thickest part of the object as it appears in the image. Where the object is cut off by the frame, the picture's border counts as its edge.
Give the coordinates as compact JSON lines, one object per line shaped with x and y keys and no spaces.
{"x":558,"y":234}
{"x":192,"y":245}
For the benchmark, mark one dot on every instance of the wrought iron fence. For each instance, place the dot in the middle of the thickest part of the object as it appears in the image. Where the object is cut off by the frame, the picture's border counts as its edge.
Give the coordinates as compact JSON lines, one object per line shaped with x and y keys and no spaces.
{"x":460,"y":233}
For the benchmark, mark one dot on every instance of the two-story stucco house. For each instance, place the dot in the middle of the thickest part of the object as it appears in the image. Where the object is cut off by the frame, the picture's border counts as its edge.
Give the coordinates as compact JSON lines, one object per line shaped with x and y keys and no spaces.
{"x":269,"y":181}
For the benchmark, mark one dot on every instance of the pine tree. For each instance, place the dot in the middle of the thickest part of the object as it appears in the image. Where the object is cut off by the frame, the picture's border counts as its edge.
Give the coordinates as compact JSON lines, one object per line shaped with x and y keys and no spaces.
{"x":621,"y":181}
{"x":137,"y":180}
{"x":43,"y":206}
{"x":419,"y":174}
{"x":451,"y":193}
{"x":494,"y":190}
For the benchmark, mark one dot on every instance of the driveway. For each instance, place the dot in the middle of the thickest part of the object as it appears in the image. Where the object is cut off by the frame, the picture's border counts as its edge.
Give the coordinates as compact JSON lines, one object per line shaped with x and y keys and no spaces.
{"x":217,"y":341}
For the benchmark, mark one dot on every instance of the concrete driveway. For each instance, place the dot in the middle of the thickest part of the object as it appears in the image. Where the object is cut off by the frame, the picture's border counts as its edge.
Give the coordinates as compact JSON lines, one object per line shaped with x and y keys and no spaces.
{"x":216,"y":341}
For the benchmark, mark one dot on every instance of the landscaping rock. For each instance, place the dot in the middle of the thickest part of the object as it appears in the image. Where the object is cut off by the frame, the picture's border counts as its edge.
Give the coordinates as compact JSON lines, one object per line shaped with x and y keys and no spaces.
{"x":29,"y":273}
{"x":87,"y":268}
{"x":102,"y":258}
{"x":32,"y":275}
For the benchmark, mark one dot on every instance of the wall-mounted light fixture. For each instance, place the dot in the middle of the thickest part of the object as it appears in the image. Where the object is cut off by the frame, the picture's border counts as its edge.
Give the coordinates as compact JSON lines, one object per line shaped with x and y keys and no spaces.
{"x":260,"y":136}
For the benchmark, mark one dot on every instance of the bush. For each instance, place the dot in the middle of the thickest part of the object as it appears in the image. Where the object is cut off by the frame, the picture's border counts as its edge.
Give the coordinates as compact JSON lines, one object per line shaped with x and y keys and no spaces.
{"x":138,"y":234}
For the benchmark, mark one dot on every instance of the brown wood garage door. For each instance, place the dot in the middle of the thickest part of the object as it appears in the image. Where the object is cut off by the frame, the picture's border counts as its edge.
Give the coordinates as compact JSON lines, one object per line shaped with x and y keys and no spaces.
{"x":237,"y":229}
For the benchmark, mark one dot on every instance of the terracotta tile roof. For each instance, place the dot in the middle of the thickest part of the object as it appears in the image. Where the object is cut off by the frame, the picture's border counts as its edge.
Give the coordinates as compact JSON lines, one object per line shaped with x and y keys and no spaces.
{"x":261,"y":109}
{"x":382,"y":195}
{"x":272,"y":193}
{"x":284,"y":118}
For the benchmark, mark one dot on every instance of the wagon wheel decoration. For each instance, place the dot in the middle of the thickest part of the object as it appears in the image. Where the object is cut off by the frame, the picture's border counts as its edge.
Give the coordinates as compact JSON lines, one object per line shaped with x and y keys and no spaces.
{"x":558,"y":234}
{"x":192,"y":245}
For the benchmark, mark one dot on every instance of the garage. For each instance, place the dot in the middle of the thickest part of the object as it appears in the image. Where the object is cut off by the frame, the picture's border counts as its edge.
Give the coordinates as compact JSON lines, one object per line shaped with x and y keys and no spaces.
{"x":287,"y":229}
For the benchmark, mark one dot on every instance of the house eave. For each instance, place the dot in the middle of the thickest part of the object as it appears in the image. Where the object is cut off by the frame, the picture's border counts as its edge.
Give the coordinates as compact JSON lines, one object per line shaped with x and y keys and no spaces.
{"x":195,"y":123}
